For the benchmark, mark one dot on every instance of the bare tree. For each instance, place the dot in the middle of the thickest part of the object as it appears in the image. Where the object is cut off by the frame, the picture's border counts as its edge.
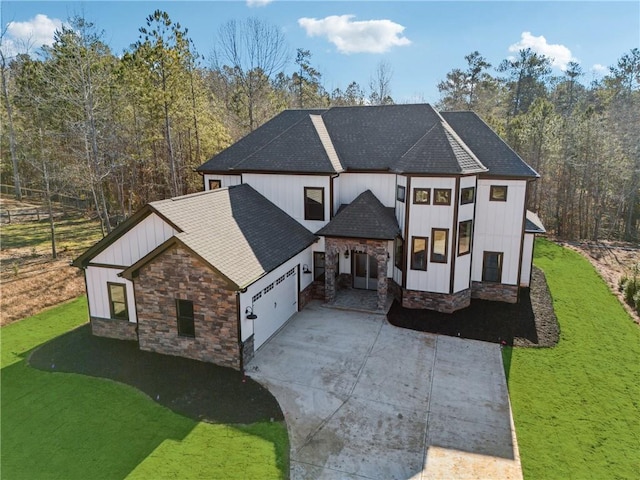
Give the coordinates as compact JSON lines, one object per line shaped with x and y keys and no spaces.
{"x":380,"y":84}
{"x":250,"y":53}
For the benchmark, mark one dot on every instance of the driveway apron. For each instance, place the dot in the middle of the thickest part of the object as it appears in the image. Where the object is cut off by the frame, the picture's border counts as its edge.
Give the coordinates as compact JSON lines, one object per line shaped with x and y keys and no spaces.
{"x":366,"y":400}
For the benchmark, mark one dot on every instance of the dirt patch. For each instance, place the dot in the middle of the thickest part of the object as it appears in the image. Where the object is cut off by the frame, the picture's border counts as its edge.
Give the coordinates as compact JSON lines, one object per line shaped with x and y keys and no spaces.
{"x":529,"y":323}
{"x":612,"y":260}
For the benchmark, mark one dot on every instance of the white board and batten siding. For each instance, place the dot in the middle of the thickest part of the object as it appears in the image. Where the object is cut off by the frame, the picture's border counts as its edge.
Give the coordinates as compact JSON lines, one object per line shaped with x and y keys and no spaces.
{"x":274,"y":298}
{"x":493,"y":232}
{"x":225,"y":180}
{"x":382,"y":185}
{"x":124,"y":252}
{"x":401,"y":180}
{"x":462,"y":275}
{"x":287,"y":193}
{"x":422,"y":219}
{"x":527,"y":258}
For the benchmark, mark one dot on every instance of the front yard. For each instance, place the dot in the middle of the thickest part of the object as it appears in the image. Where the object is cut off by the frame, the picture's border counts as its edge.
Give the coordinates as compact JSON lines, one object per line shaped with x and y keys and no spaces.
{"x":576,"y":406}
{"x":64,"y":425}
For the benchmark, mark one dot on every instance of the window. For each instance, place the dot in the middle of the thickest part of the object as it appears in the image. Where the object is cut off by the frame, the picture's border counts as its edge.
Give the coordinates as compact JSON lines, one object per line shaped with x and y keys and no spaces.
{"x":467,"y":195}
{"x":318,"y":265}
{"x":492,"y":267}
{"x":400,"y":193}
{"x":464,"y":237}
{"x":399,"y":252}
{"x":184,"y":310}
{"x":439,"y":240}
{"x":498,"y":193}
{"x":442,"y":196}
{"x":118,"y":300}
{"x":313,"y":203}
{"x":422,"y":196}
{"x":419,"y":253}
{"x":215,"y":184}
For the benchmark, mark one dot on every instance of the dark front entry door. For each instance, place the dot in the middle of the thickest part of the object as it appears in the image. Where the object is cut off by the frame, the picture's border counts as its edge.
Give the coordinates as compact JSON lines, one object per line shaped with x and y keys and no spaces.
{"x":365,"y":271}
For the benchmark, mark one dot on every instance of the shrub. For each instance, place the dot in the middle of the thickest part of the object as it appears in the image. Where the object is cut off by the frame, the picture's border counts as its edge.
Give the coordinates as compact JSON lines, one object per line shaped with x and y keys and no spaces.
{"x":621,"y":283}
{"x":636,"y":301}
{"x":630,"y":289}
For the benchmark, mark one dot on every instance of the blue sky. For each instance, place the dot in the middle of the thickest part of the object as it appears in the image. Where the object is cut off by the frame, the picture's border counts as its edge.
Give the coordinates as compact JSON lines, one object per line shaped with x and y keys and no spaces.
{"x":421,"y":40}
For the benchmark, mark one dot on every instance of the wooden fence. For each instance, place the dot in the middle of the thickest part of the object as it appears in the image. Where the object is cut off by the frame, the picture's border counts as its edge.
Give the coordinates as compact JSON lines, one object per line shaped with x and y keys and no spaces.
{"x":78,"y":203}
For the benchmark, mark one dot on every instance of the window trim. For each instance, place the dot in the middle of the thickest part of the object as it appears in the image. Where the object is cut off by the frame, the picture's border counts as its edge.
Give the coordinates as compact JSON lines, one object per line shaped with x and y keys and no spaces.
{"x":470,"y":223}
{"x":446,"y":245}
{"x":401,"y":197}
{"x":435,"y":196}
{"x":464,"y":201}
{"x":500,"y":264}
{"x":398,"y":242}
{"x":315,"y":267}
{"x":415,"y":196}
{"x":413,"y":252}
{"x":211,"y":180}
{"x":180,"y":317}
{"x":307,"y":214}
{"x":111,"y":301}
{"x":492,"y":193}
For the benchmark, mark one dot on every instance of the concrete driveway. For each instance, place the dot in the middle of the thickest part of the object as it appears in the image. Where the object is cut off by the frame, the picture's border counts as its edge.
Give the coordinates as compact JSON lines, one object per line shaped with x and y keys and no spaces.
{"x":366,"y":400}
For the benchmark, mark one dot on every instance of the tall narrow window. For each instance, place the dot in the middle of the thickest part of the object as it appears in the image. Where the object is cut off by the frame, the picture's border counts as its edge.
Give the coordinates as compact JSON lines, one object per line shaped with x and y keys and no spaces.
{"x":399,"y":252}
{"x":467,"y":195}
{"x":492,"y":267}
{"x":118,"y":301}
{"x":214,"y":184}
{"x":464,"y":237}
{"x":422,"y":196}
{"x":419,"y":253}
{"x":401,"y":193}
{"x":186,"y":323}
{"x":313,"y":203}
{"x":442,"y":196}
{"x":498,"y":193}
{"x":439,"y":241}
{"x":318,"y":265}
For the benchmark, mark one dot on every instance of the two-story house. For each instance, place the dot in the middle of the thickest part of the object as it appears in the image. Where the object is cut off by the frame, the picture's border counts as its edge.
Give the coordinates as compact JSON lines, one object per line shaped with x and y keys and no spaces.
{"x":400,"y":199}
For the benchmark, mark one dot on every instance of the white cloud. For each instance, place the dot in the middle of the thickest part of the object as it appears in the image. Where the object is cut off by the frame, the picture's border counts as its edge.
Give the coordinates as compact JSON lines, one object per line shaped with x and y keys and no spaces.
{"x":258,"y":3}
{"x":599,"y":70}
{"x":23,"y":36}
{"x":559,"y":55}
{"x":349,"y":36}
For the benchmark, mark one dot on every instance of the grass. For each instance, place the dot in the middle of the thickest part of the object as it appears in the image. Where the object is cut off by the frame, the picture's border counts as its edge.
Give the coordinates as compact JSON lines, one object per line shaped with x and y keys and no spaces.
{"x":577,"y":406}
{"x":59,"y":425}
{"x":72,"y":233}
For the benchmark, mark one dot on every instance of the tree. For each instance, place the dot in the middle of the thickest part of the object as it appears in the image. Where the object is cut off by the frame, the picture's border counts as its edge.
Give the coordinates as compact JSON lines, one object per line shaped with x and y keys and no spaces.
{"x":380,"y":84}
{"x":5,"y":73}
{"x":307,"y":82}
{"x":526,"y":77}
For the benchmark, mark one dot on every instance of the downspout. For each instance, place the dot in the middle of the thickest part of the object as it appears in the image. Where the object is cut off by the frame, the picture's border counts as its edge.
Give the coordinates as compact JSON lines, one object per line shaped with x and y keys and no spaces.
{"x":240,"y":344}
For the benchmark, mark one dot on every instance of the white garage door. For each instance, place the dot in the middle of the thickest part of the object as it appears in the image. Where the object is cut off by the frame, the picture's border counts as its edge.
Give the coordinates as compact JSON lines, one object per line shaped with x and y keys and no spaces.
{"x":275,"y":304}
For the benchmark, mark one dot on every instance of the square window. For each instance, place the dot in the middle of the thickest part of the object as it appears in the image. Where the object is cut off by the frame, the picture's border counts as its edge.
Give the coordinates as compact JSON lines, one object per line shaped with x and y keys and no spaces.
{"x":419,"y":253}
{"x":400,"y":193}
{"x":422,"y":196}
{"x":215,"y":184}
{"x":313,"y":203}
{"x":439,"y":240}
{"x":185,"y":316}
{"x":442,"y":196}
{"x":492,"y":267}
{"x":498,"y":193}
{"x":399,"y":252}
{"x":467,"y":195}
{"x":118,"y":301}
{"x":318,"y":265}
{"x":464,"y":237}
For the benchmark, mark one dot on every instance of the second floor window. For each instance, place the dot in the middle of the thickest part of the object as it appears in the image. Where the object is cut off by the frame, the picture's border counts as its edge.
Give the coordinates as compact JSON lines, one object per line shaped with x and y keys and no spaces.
{"x":439,"y":241}
{"x":214,"y":184}
{"x":313,"y":203}
{"x":442,"y":196}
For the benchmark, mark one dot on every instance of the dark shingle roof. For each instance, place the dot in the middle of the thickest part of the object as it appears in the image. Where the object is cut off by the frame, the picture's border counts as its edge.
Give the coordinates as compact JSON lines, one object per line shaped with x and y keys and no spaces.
{"x":488,"y":147}
{"x":365,"y":217}
{"x":236,"y":230}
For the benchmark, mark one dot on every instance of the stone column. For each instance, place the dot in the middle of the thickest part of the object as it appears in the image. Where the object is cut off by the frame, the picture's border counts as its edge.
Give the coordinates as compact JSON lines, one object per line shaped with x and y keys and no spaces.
{"x":381,"y":257}
{"x":330,"y":273}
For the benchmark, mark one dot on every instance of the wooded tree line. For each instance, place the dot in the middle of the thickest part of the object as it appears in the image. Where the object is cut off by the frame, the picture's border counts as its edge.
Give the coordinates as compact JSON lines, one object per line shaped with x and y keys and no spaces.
{"x":129,"y":129}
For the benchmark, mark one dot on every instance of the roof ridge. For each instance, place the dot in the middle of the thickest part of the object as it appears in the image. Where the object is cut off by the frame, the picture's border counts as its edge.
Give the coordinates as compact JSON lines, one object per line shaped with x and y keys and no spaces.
{"x":415,"y":145}
{"x":450,"y":131}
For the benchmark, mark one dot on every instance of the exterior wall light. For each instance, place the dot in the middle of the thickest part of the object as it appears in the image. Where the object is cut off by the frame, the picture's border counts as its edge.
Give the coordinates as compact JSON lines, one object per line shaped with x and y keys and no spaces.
{"x":305,"y":268}
{"x":250,"y":314}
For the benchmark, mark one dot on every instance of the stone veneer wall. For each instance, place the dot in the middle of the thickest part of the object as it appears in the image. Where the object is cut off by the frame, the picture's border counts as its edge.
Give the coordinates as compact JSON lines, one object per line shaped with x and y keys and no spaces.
{"x":113,"y":328}
{"x":395,"y":289}
{"x":248,"y":350}
{"x":178,"y":274}
{"x":494,"y":291}
{"x":440,"y":302}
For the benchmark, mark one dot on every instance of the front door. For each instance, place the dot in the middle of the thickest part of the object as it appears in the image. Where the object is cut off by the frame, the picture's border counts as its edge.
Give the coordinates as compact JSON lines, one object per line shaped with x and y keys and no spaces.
{"x":365,"y":271}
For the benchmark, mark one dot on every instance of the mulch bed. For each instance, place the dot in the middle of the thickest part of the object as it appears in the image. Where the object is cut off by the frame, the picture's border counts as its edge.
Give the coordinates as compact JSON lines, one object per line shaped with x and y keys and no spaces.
{"x":529,"y":323}
{"x":198,"y":390}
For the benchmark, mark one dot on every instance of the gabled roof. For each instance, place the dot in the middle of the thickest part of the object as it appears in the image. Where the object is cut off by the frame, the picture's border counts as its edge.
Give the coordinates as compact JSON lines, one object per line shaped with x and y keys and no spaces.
{"x":488,"y":147}
{"x":388,"y":138}
{"x":533,"y":224}
{"x":365,"y":217}
{"x":237,"y":231}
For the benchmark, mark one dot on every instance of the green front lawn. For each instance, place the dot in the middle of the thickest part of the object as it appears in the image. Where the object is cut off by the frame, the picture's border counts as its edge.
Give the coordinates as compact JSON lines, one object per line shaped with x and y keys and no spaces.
{"x":577,"y":406}
{"x":60,"y":425}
